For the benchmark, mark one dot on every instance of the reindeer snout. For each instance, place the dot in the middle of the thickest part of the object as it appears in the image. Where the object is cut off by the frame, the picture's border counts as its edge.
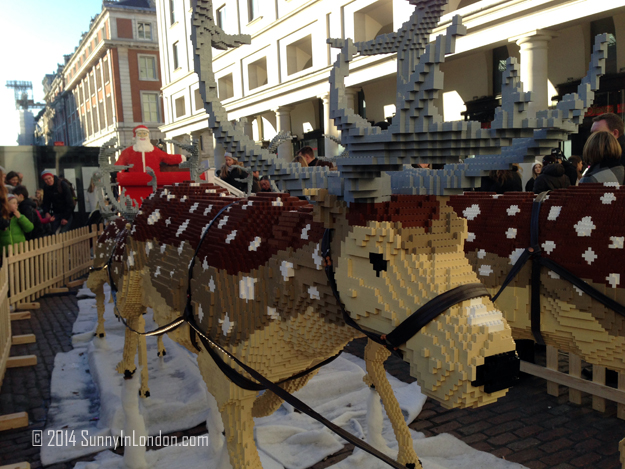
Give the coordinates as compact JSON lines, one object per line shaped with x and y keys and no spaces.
{"x":498,"y":372}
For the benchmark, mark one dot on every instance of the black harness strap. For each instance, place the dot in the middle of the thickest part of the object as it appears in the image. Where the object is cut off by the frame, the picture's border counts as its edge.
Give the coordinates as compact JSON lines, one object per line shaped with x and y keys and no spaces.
{"x":295,"y":402}
{"x":539,"y":261}
{"x":417,"y":320}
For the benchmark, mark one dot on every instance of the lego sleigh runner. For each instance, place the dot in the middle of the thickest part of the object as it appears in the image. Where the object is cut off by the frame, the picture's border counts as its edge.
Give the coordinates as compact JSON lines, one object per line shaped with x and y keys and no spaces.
{"x":267,"y":288}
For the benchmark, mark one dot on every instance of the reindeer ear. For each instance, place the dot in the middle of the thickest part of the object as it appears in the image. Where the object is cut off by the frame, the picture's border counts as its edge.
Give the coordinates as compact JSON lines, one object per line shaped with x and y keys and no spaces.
{"x":327,"y":207}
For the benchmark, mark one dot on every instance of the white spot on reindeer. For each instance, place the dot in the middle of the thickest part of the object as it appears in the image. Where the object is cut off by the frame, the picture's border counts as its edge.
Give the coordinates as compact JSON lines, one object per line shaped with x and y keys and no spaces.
{"x":148,"y":248}
{"x":513,"y":210}
{"x":182,"y":227}
{"x":553,"y":275}
{"x":511,"y":233}
{"x":222,"y":222}
{"x":614,"y":279}
{"x":134,"y":229}
{"x":184,"y":199}
{"x":470,"y":237}
{"x":170,"y":196}
{"x":194,"y":207}
{"x":116,"y":270}
{"x":204,"y":230}
{"x":211,"y":285}
{"x":585,"y":226}
{"x":248,"y":204}
{"x":617,"y":242}
{"x":554,"y":212}
{"x":608,"y":198}
{"x":210,"y":191}
{"x":231,"y":236}
{"x":157,"y":272}
{"x":154,"y":217}
{"x":514,"y":256}
{"x":578,"y":290}
{"x":317,"y":259}
{"x":207,"y":210}
{"x":200,"y":313}
{"x":610,"y":184}
{"x":131,"y":259}
{"x":205,"y":265}
{"x":171,"y":273}
{"x":589,"y":256}
{"x":163,"y":247}
{"x":226,"y":325}
{"x":305,"y":231}
{"x":168,"y":221}
{"x":246,"y":288}
{"x":272,"y":313}
{"x":481,"y":254}
{"x":277,"y":202}
{"x":313,"y":292}
{"x":254,"y":244}
{"x":287,"y":271}
{"x":479,"y":315}
{"x":180,"y":248}
{"x":485,"y":270}
{"x":471,"y":212}
{"x":548,"y":246}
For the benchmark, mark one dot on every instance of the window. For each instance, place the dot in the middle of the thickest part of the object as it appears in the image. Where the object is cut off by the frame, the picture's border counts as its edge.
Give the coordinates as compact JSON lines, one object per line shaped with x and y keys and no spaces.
{"x":101,"y":114}
{"x":150,"y":108}
{"x":94,"y":114}
{"x":172,"y":12}
{"x":299,"y":55}
{"x":253,"y":10}
{"x":500,"y":56}
{"x":199,"y":104}
{"x":98,"y":77}
{"x":147,"y":67}
{"x":225,"y":87}
{"x":180,"y":107}
{"x":175,"y":55}
{"x":109,"y":109}
{"x":373,"y":20}
{"x":91,"y":87}
{"x":257,"y":73}
{"x":106,"y":71}
{"x":221,"y":17}
{"x":144,"y":31}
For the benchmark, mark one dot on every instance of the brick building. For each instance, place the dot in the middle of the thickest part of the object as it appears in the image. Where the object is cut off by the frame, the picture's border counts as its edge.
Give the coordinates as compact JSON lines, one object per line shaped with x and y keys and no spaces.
{"x":111,"y":82}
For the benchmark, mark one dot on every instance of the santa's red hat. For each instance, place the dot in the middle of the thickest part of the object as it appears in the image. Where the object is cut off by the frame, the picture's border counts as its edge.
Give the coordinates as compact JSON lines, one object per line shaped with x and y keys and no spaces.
{"x":139,"y":127}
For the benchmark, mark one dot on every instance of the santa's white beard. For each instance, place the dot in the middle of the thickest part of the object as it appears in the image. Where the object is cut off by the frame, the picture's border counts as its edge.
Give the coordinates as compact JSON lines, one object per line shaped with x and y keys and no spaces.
{"x":143,"y":146}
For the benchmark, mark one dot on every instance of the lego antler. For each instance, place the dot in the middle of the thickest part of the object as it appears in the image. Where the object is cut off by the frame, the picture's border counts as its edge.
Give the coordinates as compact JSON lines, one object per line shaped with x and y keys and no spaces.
{"x":290,"y":176}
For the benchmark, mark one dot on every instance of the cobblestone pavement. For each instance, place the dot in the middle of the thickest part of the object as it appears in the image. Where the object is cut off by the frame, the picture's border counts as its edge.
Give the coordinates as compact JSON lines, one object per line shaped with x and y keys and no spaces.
{"x":527,"y":426}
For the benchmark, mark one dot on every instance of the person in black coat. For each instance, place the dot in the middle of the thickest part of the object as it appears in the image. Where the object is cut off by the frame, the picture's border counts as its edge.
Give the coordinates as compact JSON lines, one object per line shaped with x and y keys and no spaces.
{"x":28,"y":208}
{"x":502,"y":181}
{"x":569,"y":169}
{"x":232,"y":171}
{"x":552,"y":177}
{"x":58,"y":201}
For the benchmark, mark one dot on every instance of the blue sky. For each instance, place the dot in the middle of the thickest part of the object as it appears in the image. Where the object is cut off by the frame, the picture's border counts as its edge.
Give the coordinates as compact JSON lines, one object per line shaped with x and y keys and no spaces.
{"x":34,"y":36}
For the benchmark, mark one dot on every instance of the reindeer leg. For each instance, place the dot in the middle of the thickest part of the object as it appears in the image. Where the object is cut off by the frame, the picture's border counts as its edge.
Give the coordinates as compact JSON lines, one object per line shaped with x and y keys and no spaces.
{"x":268,"y":403}
{"x":375,"y":356}
{"x":235,"y":405}
{"x":161,"y":348}
{"x":99,"y":299}
{"x":144,"y":391}
{"x":127,"y":366}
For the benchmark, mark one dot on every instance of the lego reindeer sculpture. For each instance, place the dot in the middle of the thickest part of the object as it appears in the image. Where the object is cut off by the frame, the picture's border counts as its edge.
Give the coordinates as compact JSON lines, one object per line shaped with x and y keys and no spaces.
{"x":281,"y":285}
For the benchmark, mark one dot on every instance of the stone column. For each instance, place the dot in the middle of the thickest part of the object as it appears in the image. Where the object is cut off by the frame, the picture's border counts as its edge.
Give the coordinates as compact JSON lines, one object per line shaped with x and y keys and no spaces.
{"x":248,"y":128}
{"x":331,"y":147}
{"x":534,"y":67}
{"x":283,"y":118}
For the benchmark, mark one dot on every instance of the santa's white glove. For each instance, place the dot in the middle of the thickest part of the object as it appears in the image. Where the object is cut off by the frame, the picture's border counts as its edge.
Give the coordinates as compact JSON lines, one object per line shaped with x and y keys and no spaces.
{"x":184,"y":158}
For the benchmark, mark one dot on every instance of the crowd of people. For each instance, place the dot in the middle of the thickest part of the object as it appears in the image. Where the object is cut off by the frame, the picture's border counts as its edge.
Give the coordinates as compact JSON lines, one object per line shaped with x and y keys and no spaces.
{"x":234,"y":173}
{"x":23,"y":218}
{"x":602,"y":161}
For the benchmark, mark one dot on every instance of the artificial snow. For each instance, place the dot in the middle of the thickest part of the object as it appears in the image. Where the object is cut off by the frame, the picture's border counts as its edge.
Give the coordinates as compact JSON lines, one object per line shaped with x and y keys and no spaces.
{"x":86,"y":396}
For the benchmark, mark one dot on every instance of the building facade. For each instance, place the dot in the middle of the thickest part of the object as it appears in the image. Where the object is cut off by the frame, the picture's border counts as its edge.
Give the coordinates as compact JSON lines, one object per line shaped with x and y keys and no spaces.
{"x":110,"y":84}
{"x":280,"y":81}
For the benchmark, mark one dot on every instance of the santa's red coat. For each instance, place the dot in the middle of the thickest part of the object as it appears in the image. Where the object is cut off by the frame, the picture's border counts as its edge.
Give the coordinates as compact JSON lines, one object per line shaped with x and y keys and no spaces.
{"x":153,"y":159}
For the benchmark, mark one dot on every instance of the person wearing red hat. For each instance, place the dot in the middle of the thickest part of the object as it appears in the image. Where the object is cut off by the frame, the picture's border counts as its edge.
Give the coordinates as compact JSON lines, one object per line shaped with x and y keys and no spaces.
{"x":144,"y":155}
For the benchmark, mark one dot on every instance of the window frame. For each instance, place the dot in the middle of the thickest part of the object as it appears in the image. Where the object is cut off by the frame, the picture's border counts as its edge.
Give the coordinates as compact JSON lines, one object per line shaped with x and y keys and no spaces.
{"x":174,"y":49}
{"x":144,"y":23}
{"x":155,"y":69}
{"x":145,"y":94}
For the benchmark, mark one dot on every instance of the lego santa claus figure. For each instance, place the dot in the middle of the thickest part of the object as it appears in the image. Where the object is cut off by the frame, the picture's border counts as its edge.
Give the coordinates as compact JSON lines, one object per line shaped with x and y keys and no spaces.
{"x":145,"y":155}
